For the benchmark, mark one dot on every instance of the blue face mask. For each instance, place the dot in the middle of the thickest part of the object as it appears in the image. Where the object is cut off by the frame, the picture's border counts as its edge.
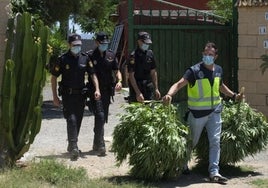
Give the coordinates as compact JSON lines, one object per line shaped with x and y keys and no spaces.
{"x":208,"y":60}
{"x":144,"y":46}
{"x":76,"y":49}
{"x":103,"y":47}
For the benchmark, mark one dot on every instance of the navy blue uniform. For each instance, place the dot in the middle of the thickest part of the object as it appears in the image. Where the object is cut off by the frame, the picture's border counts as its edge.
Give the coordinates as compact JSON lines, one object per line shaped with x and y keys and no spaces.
{"x":141,"y":63}
{"x":72,"y":70}
{"x":104,"y":66}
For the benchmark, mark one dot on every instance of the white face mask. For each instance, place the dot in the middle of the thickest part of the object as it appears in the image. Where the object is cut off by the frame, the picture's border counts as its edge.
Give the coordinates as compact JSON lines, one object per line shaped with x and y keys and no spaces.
{"x":144,"y":46}
{"x":76,"y":49}
{"x":208,"y":60}
{"x":103,"y":47}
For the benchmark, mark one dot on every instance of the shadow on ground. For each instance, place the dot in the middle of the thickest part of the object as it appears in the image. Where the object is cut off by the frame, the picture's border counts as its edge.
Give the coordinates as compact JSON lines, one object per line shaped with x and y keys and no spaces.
{"x":49,"y":111}
{"x":197,"y":176}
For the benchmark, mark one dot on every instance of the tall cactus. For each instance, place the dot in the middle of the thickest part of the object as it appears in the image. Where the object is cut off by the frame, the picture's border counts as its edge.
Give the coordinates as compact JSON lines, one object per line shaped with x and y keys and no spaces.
{"x":23,"y":81}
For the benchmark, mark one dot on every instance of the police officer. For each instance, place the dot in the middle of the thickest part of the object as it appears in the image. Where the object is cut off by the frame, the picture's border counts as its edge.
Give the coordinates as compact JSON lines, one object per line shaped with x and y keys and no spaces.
{"x":143,"y":83}
{"x":204,"y":82}
{"x":72,"y":67}
{"x":109,"y":76}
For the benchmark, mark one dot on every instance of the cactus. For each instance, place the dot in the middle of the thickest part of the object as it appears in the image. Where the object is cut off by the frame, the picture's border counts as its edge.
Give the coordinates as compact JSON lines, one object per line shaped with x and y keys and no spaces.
{"x":23,"y":80}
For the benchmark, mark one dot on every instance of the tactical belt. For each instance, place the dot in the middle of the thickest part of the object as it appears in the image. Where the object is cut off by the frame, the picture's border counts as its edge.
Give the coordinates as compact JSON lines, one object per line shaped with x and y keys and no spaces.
{"x":71,"y":91}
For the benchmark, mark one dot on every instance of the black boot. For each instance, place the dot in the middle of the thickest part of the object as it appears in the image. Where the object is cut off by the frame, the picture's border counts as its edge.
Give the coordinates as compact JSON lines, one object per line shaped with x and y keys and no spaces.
{"x":99,"y":145}
{"x":73,"y":150}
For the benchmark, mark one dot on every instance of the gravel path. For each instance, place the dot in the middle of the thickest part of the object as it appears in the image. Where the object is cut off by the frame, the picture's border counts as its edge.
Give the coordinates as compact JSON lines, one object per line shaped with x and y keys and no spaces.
{"x":51,"y":142}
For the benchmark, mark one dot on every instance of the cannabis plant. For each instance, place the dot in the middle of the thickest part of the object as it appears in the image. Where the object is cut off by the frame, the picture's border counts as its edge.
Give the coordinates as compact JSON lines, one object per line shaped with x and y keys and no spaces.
{"x":244,"y":133}
{"x":152,"y":139}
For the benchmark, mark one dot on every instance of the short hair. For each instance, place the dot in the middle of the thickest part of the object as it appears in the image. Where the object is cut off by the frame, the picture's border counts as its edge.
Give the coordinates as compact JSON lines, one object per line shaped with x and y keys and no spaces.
{"x":211,"y":45}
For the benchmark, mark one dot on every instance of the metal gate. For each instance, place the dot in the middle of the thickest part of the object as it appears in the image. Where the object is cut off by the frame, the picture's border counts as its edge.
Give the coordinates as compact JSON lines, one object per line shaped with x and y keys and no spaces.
{"x":179,"y":35}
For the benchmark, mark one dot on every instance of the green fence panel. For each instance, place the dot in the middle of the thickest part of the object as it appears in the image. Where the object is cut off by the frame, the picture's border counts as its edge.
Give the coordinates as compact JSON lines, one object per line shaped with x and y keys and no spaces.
{"x":178,"y":43}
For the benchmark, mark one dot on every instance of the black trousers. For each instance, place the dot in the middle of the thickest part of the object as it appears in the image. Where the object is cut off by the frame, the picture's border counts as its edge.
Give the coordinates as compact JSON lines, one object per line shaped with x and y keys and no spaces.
{"x":101,"y":110}
{"x":73,"y":110}
{"x":147,"y":89}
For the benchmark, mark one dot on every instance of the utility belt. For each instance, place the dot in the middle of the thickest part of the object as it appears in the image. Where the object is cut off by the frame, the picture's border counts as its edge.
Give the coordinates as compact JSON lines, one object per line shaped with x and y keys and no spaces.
{"x":71,"y":91}
{"x":144,"y":83}
{"x":62,"y":90}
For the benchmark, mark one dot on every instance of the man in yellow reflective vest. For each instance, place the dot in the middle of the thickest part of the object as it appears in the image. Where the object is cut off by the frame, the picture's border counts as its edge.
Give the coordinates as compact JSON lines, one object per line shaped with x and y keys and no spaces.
{"x":204,"y":83}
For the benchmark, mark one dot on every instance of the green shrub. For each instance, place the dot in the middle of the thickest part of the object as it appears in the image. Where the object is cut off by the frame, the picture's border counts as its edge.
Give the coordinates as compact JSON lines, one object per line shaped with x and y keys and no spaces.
{"x":153,"y":140}
{"x":244,"y":133}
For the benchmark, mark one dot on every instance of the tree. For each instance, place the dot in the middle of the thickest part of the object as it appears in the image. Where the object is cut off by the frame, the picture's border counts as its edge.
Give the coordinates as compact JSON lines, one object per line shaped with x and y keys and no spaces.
{"x":223,"y":8}
{"x":91,"y":15}
{"x":90,"y":18}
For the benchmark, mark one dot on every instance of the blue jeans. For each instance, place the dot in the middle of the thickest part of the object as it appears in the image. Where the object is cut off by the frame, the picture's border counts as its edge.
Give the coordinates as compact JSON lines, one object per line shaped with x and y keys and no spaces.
{"x":213,"y":124}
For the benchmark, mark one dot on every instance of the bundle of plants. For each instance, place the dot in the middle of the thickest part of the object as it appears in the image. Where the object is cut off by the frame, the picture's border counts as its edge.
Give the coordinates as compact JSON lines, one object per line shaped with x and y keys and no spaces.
{"x":244,"y":133}
{"x":152,"y":139}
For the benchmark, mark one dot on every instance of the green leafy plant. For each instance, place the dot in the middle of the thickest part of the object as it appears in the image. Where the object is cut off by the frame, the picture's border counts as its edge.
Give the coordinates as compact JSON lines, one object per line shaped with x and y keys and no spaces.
{"x":153,"y":140}
{"x":244,"y":133}
{"x":264,"y":65}
{"x":223,"y":8}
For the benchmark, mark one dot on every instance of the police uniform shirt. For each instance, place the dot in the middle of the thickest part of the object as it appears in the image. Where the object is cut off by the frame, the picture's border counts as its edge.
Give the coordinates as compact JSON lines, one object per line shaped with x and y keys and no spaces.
{"x":104,"y":65}
{"x":199,"y":71}
{"x":141,"y":63}
{"x":72,"y":68}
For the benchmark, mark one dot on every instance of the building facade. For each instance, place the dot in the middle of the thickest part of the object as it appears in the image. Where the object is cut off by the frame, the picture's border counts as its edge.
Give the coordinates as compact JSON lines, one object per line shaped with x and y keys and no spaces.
{"x":252,"y":44}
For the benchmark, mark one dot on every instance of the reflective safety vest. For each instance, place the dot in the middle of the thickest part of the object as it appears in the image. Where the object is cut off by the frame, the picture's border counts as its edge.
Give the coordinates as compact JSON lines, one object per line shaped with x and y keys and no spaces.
{"x":203,"y":96}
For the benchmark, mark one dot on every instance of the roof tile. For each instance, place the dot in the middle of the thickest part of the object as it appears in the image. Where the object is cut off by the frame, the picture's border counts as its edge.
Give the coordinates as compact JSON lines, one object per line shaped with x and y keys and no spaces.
{"x":251,"y":3}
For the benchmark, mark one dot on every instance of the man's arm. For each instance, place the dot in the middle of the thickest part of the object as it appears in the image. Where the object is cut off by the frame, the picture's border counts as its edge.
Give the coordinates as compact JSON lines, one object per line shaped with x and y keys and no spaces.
{"x":96,"y":84}
{"x":139,"y":95}
{"x":155,"y":82}
{"x":174,"y":89}
{"x":226,"y":91}
{"x":56,"y":100}
{"x":118,"y":85}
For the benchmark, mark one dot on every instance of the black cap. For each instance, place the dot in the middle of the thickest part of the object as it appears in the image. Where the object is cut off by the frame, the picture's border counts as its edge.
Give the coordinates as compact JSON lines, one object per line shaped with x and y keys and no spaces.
{"x":145,"y":37}
{"x":74,"y":39}
{"x":102,"y":37}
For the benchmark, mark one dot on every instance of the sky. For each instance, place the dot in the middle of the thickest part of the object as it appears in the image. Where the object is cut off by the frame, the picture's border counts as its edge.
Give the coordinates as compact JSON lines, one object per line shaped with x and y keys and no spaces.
{"x":78,"y":30}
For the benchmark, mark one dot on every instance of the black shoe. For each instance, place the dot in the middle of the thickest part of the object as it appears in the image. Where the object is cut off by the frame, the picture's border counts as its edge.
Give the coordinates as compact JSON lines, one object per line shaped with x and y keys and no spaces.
{"x":95,"y":147}
{"x":102,"y":151}
{"x":75,"y":154}
{"x":69,"y":149}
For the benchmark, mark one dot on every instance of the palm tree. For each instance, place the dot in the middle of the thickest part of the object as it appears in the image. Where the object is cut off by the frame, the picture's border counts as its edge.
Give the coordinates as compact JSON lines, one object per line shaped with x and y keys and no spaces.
{"x":264,"y":65}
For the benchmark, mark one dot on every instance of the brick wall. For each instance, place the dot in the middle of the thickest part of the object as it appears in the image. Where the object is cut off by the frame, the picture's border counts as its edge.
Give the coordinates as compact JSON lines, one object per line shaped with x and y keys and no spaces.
{"x":250,"y":47}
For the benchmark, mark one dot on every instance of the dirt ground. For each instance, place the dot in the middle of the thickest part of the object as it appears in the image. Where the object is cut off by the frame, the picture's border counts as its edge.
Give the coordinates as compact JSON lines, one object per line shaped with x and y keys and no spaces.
{"x":52,"y":142}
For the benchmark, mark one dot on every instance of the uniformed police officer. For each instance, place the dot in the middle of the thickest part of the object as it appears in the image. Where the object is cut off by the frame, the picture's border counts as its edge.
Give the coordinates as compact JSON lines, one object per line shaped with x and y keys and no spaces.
{"x":143,"y":83}
{"x":107,"y":71}
{"x":72,"y":67}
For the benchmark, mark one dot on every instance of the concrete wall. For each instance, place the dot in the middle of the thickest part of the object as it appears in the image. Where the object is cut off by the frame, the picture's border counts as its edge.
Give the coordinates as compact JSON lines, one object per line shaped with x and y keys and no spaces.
{"x":252,"y":34}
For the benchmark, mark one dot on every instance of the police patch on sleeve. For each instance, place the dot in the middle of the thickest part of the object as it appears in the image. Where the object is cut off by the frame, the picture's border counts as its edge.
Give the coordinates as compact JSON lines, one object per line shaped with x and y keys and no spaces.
{"x":67,"y":67}
{"x":132,"y":61}
{"x":90,"y":64}
{"x":57,"y":68}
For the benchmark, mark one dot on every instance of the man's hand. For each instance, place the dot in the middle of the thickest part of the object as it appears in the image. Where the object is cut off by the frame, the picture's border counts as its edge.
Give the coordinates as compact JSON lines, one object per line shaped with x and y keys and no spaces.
{"x":56,"y":101}
{"x":167,"y":99}
{"x":118,"y":86}
{"x":157,"y":94}
{"x":140,"y":97}
{"x":240,"y":96}
{"x":97,"y":95}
